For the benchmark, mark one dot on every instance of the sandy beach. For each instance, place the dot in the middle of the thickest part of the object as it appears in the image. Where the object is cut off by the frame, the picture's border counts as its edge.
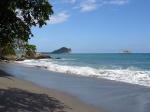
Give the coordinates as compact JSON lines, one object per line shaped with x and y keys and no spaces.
{"x":72,"y":93}
{"x":22,"y":96}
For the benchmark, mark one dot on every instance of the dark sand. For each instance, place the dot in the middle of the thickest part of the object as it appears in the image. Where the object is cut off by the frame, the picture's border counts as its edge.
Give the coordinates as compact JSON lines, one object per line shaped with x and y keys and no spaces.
{"x":22,"y":96}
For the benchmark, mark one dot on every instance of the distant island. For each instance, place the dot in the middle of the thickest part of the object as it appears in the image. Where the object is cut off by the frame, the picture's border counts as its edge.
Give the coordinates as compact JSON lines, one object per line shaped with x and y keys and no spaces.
{"x":62,"y":50}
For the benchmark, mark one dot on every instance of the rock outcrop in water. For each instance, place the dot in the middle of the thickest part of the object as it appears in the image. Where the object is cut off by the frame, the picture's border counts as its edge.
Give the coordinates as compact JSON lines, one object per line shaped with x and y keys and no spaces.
{"x":62,"y":50}
{"x":38,"y":56}
{"x":42,"y":56}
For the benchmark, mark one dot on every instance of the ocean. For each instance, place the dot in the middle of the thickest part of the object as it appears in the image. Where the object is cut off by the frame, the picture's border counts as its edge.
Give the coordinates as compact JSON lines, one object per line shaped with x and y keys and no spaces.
{"x":129,"y":68}
{"x":96,"y":79}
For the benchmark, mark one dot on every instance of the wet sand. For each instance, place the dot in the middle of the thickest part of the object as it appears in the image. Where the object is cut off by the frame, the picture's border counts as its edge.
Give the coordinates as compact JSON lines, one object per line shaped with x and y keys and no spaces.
{"x":22,"y":96}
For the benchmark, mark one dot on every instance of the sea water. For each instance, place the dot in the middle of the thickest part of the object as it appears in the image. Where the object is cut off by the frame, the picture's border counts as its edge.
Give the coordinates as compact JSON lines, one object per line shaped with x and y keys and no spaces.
{"x":130,"y":68}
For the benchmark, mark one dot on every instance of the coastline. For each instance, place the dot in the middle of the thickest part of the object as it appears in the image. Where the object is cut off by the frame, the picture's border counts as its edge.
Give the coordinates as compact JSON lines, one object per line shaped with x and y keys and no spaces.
{"x":133,"y":73}
{"x":111,"y":96}
{"x":11,"y":86}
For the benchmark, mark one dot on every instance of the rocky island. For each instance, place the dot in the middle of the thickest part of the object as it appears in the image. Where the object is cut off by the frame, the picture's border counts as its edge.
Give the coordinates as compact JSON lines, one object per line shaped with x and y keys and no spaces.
{"x":62,"y":50}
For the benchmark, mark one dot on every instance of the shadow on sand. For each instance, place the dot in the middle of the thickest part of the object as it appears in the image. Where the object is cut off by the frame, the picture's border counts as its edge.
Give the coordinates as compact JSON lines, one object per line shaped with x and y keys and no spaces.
{"x":4,"y":74}
{"x":17,"y":100}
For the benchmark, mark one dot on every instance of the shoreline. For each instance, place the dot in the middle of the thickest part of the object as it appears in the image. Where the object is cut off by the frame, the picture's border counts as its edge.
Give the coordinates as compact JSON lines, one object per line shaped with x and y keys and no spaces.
{"x":108,"y":95}
{"x":67,"y":103}
{"x":129,"y":75}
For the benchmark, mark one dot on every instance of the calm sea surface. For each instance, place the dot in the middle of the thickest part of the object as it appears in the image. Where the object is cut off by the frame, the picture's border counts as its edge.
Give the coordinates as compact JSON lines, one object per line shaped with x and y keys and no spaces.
{"x":106,"y":61}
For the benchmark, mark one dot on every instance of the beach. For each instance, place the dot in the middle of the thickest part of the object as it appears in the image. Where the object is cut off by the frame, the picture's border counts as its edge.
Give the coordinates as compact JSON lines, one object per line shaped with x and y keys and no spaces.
{"x":23,"y":96}
{"x":95,"y":93}
{"x":89,"y":56}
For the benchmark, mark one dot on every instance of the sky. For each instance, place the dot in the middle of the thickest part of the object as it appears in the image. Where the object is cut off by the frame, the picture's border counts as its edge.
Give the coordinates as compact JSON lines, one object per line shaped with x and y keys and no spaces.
{"x":96,"y":26}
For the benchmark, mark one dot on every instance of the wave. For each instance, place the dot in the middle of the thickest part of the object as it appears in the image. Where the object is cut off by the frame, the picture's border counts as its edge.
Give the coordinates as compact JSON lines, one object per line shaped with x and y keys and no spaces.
{"x":130,"y":75}
{"x":66,"y":59}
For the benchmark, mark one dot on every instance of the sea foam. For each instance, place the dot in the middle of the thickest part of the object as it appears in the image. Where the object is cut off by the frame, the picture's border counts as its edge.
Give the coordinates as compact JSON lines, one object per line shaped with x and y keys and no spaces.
{"x":133,"y":76}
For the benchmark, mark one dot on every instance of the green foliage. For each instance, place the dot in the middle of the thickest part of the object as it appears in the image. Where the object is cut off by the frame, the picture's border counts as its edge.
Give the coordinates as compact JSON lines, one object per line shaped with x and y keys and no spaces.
{"x":30,"y":47}
{"x":18,"y":16}
{"x":8,"y":50}
{"x":30,"y":50}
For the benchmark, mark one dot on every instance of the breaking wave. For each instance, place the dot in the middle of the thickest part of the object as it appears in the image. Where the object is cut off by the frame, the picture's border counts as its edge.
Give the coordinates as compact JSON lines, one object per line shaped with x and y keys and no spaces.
{"x":130,"y":75}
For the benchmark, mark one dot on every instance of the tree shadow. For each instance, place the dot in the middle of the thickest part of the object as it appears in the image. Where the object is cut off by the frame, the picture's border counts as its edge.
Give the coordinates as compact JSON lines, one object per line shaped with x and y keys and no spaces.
{"x":4,"y":74}
{"x":17,"y":100}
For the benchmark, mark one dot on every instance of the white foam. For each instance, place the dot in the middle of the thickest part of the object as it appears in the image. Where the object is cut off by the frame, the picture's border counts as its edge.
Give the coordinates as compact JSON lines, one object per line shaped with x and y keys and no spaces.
{"x":66,"y":59}
{"x":130,"y":75}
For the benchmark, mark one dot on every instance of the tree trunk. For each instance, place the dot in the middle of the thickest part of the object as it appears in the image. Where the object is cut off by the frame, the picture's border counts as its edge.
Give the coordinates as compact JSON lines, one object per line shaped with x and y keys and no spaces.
{"x":1,"y":52}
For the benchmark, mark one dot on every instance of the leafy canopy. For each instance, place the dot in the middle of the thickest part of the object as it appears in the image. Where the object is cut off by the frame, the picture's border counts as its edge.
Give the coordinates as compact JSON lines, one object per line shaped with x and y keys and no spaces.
{"x":18,"y":16}
{"x":30,"y":47}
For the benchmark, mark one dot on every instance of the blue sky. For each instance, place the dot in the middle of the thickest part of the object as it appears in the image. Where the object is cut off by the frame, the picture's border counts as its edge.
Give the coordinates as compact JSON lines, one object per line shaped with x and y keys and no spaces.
{"x":96,"y":26}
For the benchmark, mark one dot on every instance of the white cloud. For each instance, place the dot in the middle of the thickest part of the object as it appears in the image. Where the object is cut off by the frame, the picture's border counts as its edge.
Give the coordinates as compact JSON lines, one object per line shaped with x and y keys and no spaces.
{"x":70,"y":1}
{"x":88,"y":5}
{"x":59,"y":18}
{"x":114,"y":2}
